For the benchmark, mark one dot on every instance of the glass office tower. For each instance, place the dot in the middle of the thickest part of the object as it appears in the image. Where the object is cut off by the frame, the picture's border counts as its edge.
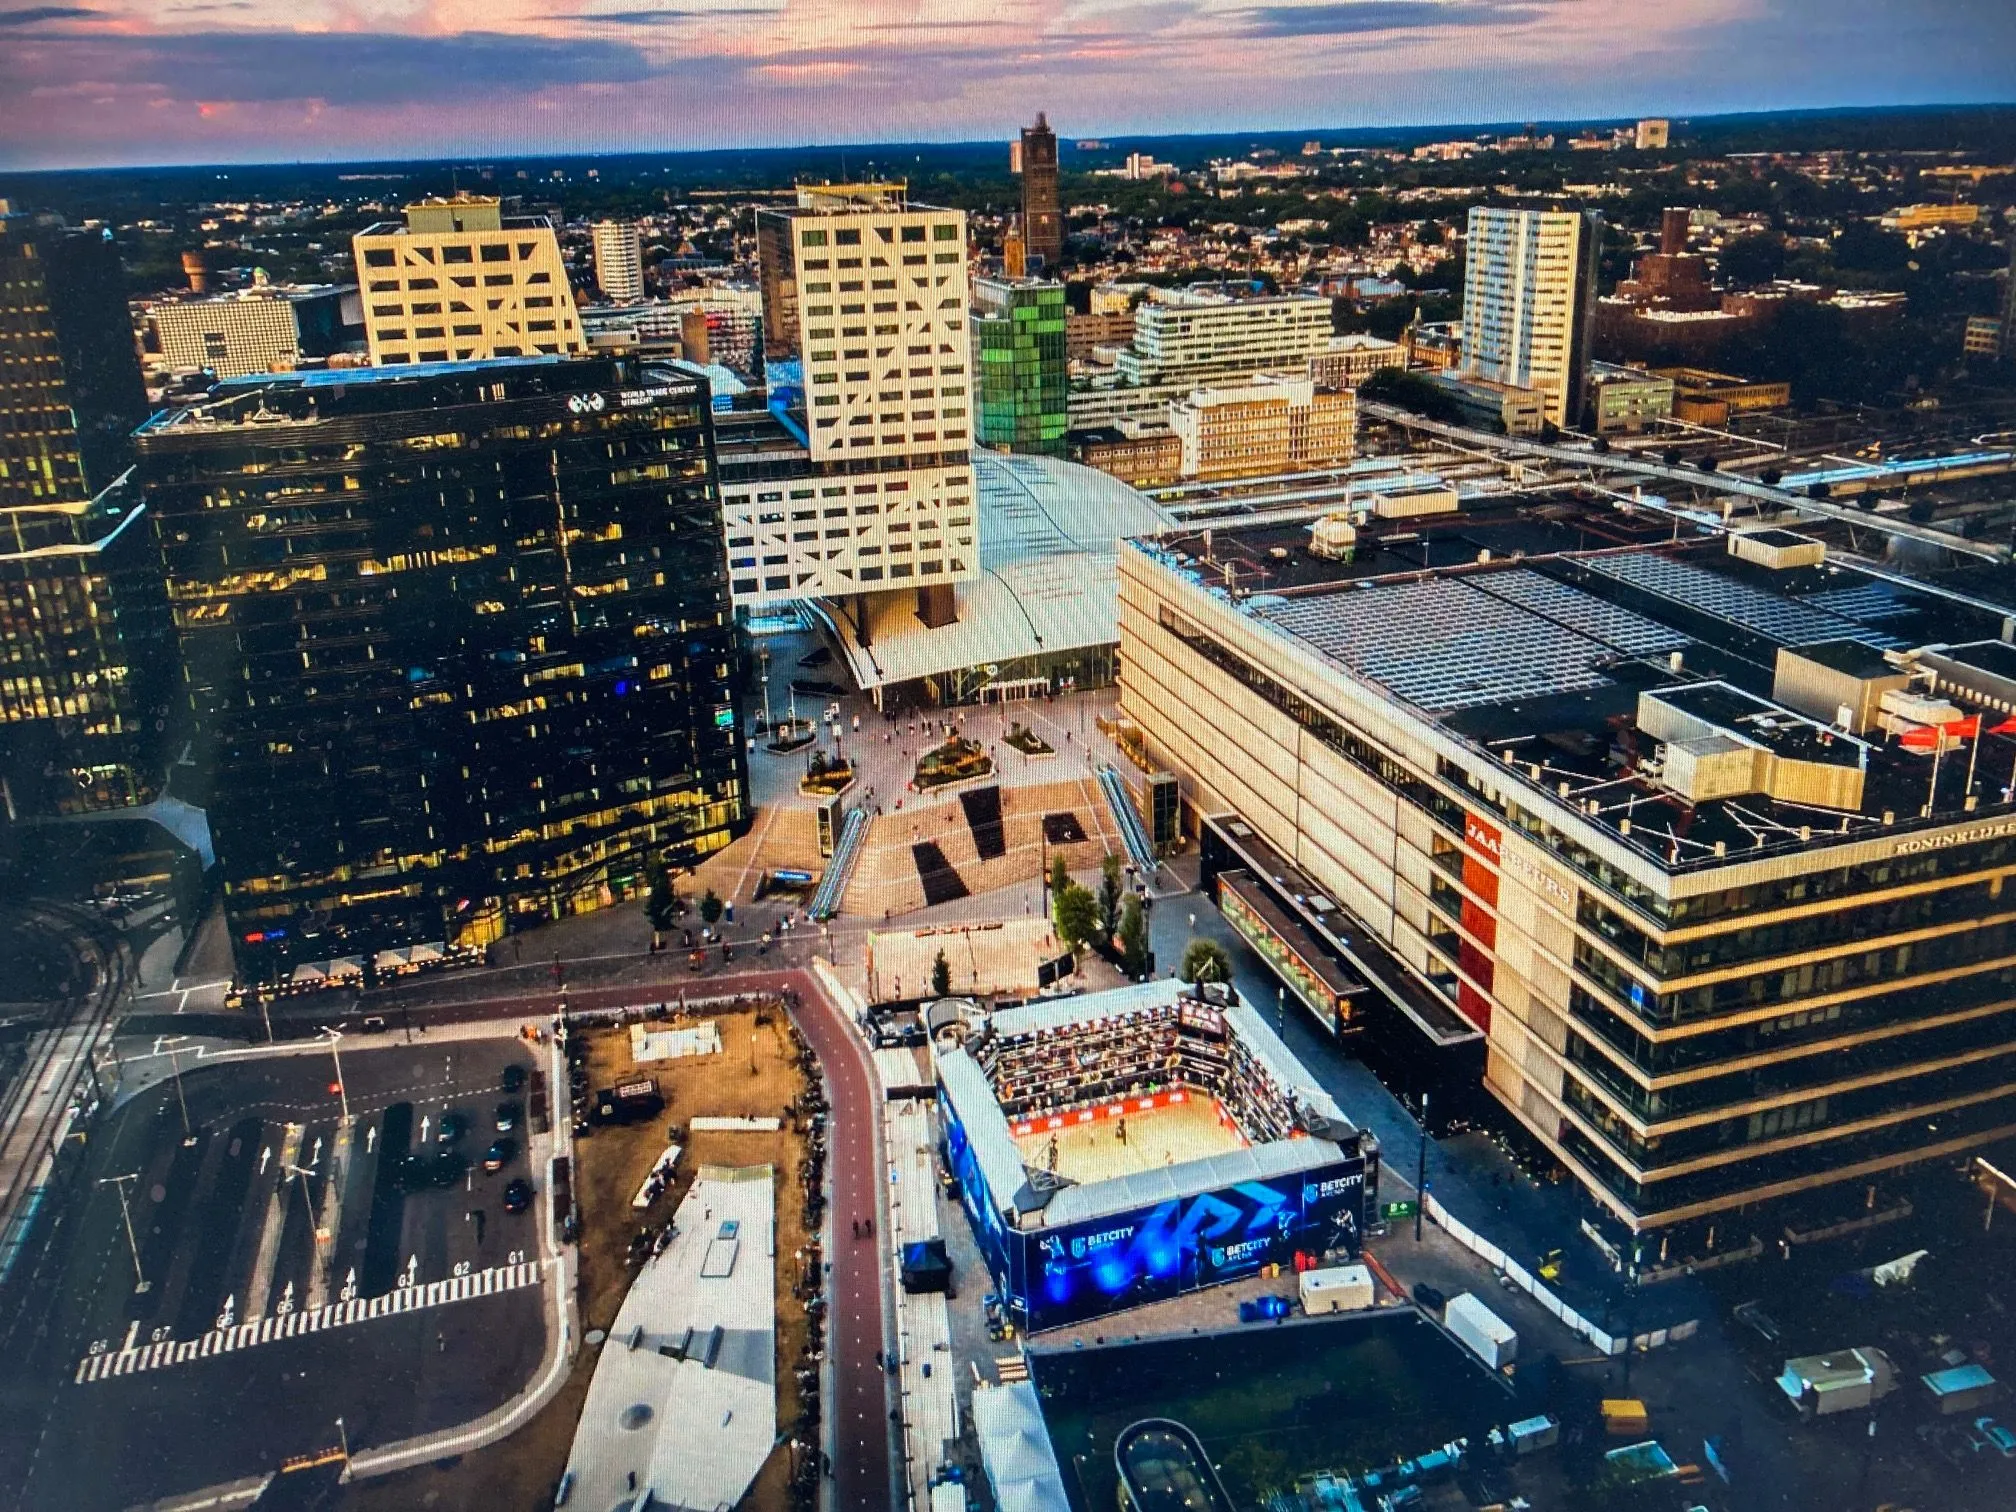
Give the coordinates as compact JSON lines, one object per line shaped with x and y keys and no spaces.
{"x":457,"y":645}
{"x":1018,"y":347}
{"x":83,"y":693}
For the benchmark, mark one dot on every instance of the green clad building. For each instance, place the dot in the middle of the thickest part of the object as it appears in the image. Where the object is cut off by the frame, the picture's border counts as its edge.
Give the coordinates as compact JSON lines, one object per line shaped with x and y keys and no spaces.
{"x":1018,"y":345}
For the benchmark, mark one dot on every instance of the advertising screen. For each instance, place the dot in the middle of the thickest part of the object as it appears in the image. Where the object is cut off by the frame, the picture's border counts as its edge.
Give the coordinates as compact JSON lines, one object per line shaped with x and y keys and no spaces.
{"x":1153,"y":1253}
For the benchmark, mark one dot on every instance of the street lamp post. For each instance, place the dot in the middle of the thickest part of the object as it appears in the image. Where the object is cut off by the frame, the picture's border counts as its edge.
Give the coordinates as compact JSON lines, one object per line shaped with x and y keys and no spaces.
{"x":307,"y":1199}
{"x":140,"y":1282}
{"x":763,"y":656}
{"x":342,"y":1092}
{"x":175,"y":1074}
{"x":1421,"y":1172}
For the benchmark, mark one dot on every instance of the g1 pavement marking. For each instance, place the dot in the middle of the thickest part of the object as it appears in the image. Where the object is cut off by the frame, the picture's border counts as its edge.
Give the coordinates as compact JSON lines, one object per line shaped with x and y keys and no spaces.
{"x":103,"y":1363}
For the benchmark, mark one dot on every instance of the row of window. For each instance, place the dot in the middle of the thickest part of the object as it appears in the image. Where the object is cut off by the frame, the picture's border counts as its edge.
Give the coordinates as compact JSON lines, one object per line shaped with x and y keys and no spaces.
{"x":388,"y":257}
{"x":850,"y":236}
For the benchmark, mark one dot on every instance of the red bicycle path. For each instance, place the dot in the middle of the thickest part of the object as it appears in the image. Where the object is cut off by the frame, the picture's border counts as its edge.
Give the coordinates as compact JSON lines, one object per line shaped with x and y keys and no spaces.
{"x":863,"y":1479}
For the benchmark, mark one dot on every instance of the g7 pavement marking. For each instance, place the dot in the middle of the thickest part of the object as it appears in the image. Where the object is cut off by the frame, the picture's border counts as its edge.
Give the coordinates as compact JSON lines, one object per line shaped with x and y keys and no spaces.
{"x":133,"y":1357}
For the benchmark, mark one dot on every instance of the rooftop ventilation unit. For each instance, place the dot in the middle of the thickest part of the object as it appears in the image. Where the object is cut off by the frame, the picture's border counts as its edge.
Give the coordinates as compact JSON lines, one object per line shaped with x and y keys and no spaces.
{"x":1334,"y":538}
{"x":1777,"y":549}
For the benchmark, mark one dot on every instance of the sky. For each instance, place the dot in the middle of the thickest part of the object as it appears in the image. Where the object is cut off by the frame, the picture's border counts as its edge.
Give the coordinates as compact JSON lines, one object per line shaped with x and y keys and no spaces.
{"x":117,"y":82}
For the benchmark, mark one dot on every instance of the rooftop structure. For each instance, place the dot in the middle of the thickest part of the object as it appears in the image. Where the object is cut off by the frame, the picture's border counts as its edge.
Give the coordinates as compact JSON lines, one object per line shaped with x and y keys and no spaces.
{"x":1640,"y":799}
{"x":1289,"y":1172}
{"x":459,"y":280}
{"x":267,"y":328}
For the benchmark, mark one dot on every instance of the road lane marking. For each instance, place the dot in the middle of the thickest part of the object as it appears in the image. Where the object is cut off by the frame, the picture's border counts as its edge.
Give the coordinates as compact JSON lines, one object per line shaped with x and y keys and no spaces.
{"x":133,"y":1357}
{"x":268,"y":1253}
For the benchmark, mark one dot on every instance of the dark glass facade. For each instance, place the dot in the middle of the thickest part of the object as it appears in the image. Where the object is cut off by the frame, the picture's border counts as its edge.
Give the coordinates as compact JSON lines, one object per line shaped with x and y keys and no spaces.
{"x":457,"y":645}
{"x":84,"y":688}
{"x":87,"y":664}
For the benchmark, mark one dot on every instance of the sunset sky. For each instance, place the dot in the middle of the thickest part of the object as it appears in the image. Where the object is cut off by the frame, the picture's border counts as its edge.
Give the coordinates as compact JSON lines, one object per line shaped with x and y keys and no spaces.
{"x":191,"y":81}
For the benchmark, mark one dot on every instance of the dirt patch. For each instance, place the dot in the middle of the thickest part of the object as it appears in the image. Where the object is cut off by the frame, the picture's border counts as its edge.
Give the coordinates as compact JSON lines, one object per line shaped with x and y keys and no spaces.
{"x":761,"y":1071}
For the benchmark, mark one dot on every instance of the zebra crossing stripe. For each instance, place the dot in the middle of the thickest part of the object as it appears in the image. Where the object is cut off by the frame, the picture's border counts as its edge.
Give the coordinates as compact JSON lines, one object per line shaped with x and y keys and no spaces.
{"x":159,"y":1354}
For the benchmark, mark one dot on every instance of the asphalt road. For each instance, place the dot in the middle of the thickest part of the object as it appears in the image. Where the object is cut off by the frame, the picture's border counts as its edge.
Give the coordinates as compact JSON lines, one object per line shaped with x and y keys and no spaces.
{"x":263,"y":1219}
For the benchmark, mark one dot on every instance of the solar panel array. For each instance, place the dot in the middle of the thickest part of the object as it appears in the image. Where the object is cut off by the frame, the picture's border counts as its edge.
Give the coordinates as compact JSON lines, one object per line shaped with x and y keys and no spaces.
{"x":1868,"y":602}
{"x":1788,"y":621}
{"x":1453,"y":643}
{"x":1584,"y":613}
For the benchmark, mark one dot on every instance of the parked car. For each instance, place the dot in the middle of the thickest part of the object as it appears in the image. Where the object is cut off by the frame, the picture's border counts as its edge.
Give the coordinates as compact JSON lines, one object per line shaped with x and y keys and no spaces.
{"x":514,"y":1079}
{"x":517,"y":1195}
{"x":499,"y":1155}
{"x":1995,"y":1437}
{"x":508,"y":1114}
{"x":1430,"y":1297}
{"x":451,"y":1128}
{"x":373,"y":1024}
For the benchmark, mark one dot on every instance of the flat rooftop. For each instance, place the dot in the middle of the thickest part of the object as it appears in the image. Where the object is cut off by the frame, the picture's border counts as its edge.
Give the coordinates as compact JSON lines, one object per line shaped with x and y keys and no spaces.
{"x":263,"y":401}
{"x":1530,"y":627}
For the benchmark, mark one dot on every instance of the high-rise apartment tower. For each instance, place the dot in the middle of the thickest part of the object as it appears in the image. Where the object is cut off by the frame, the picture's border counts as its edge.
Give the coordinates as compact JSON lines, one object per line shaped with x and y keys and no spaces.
{"x":1529,"y":299}
{"x":458,"y":280}
{"x":619,"y":261}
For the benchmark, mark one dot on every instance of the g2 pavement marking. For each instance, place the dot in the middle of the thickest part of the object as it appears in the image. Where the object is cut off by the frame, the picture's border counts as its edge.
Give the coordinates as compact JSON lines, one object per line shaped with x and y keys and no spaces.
{"x":134,"y":1355}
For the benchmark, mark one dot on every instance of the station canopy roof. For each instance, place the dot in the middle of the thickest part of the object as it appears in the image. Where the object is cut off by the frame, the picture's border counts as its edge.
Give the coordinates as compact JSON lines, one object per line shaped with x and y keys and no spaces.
{"x":1048,"y":578}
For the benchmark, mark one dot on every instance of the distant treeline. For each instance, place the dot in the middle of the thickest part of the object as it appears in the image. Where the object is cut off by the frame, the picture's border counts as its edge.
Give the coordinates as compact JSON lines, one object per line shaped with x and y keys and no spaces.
{"x":640,"y":179}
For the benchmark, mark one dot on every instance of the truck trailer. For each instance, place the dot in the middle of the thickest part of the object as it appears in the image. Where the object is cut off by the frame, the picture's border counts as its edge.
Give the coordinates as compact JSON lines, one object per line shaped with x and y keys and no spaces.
{"x":1482,"y":1331}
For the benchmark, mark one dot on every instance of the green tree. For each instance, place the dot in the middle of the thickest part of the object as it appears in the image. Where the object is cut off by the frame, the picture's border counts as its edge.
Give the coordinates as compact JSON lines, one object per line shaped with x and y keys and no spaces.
{"x":1109,"y":893}
{"x":1060,"y":876}
{"x":1077,"y":915}
{"x":1205,"y":961}
{"x":661,"y":902}
{"x":1134,"y":938}
{"x":941,"y":976}
{"x":710,"y":908}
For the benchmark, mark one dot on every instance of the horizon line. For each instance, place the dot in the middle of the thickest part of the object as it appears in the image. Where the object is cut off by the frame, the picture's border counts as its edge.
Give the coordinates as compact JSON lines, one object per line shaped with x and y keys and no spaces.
{"x":1108,"y":138}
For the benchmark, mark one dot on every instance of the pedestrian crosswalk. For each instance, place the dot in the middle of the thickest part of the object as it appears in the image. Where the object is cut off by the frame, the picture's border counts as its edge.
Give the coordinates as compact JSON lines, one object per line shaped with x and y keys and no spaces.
{"x":137,"y":1355}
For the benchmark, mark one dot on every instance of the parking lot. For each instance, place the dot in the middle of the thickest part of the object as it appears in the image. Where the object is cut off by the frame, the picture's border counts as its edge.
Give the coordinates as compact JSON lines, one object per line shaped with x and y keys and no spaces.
{"x":286,"y":1268}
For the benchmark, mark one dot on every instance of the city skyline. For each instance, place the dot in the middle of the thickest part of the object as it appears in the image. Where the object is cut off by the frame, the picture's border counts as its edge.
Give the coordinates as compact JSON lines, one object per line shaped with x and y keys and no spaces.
{"x":201,"y":81}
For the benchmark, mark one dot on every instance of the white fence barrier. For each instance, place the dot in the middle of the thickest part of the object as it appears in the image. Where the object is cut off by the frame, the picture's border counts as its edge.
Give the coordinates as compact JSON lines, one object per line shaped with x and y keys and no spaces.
{"x":1526,"y":1281}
